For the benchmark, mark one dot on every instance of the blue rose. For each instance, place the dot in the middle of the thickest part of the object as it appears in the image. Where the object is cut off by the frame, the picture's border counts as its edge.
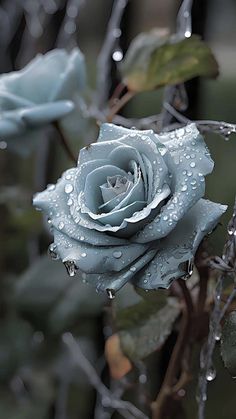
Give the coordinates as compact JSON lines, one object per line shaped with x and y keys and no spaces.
{"x":46,"y":90}
{"x":132,"y":209}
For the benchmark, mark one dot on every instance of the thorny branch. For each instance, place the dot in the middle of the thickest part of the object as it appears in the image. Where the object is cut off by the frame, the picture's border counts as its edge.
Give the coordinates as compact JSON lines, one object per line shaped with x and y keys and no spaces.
{"x":109,"y":399}
{"x":229,"y":258}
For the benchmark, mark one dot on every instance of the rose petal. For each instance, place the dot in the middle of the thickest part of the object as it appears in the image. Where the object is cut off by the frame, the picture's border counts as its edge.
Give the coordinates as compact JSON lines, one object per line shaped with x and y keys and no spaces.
{"x":114,"y":281}
{"x":187,"y":163}
{"x":97,"y":259}
{"x":56,"y":204}
{"x":92,"y":196}
{"x":180,"y":246}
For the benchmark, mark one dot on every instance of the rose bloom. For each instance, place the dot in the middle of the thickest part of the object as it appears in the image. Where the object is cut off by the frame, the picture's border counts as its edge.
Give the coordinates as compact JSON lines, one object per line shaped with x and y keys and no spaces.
{"x":132,"y":209}
{"x":45,"y":91}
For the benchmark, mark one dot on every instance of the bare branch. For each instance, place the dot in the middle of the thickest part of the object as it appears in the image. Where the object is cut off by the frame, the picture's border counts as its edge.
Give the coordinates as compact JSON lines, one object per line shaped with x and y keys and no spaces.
{"x":104,"y":58}
{"x":229,"y":257}
{"x":109,"y":399}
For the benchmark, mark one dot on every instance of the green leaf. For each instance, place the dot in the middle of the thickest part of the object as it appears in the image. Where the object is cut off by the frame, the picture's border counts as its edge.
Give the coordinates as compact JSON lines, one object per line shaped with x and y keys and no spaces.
{"x":15,"y":339}
{"x":144,"y":326}
{"x":228,"y":343}
{"x":154,"y":60}
{"x":53,"y":301}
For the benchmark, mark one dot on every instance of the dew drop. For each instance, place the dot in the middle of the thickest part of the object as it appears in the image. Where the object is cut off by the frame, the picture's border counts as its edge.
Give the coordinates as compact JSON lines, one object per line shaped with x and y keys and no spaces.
{"x":68,"y":188}
{"x":117,"y":254}
{"x":83,"y":255}
{"x":132,"y":269}
{"x":211,"y":374}
{"x":70,"y":267}
{"x":184,"y":188}
{"x":52,"y":251}
{"x":110,"y":293}
{"x":192,"y":164}
{"x":69,"y":202}
{"x":3,"y":145}
{"x":117,"y":55}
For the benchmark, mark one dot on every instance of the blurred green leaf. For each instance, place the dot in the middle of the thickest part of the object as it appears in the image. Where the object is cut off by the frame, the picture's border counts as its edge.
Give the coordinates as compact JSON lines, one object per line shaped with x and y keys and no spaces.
{"x":154,"y":60}
{"x":228,"y":343}
{"x":52,"y":300}
{"x":15,"y":338}
{"x":144,"y":326}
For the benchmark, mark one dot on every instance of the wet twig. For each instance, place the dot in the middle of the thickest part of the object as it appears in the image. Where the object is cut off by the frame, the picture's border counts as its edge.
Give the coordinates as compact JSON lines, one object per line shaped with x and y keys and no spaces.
{"x":104,"y":58}
{"x":229,"y":258}
{"x":109,"y":399}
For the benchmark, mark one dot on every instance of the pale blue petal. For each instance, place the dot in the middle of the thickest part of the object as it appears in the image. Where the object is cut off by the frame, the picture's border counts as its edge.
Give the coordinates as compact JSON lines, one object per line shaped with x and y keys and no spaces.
{"x":99,"y":259}
{"x":57,"y":206}
{"x":113,"y":281}
{"x":180,"y":246}
{"x":187,"y":164}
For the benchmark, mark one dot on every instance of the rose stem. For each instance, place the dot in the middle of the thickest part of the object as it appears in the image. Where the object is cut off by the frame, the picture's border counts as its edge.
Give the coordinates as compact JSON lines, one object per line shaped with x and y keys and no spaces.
{"x":119,"y":105}
{"x":172,"y":370}
{"x":65,"y":144}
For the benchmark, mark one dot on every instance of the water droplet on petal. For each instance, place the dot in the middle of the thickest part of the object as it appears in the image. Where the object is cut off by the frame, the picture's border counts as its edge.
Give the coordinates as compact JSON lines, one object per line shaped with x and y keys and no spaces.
{"x":192,"y":164}
{"x":70,"y":202}
{"x":184,"y":188}
{"x":68,"y":188}
{"x":52,"y":251}
{"x":132,"y":269}
{"x":117,"y":254}
{"x":83,"y":255}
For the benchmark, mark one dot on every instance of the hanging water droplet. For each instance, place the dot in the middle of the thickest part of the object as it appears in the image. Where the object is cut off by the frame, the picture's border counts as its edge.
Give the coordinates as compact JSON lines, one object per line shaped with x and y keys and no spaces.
{"x":68,"y":188}
{"x":3,"y":145}
{"x":117,"y":55}
{"x":211,"y":374}
{"x":70,"y":267}
{"x":52,"y":251}
{"x":117,"y":254}
{"x":218,"y":334}
{"x":110,"y":293}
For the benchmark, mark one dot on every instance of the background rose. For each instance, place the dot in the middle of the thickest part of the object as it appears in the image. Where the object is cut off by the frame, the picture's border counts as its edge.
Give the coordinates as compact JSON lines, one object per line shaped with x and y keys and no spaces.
{"x":132,"y":209}
{"x":46,"y":90}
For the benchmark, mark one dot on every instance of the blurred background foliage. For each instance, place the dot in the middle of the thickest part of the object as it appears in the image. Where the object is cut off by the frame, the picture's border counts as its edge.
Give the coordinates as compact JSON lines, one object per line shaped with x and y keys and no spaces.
{"x":38,"y":377}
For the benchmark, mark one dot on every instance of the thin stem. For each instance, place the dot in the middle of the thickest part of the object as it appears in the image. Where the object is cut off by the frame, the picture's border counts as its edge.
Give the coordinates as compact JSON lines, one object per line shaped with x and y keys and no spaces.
{"x":178,"y":351}
{"x":104,"y":59}
{"x":65,"y":144}
{"x":122,"y":102}
{"x":109,"y":399}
